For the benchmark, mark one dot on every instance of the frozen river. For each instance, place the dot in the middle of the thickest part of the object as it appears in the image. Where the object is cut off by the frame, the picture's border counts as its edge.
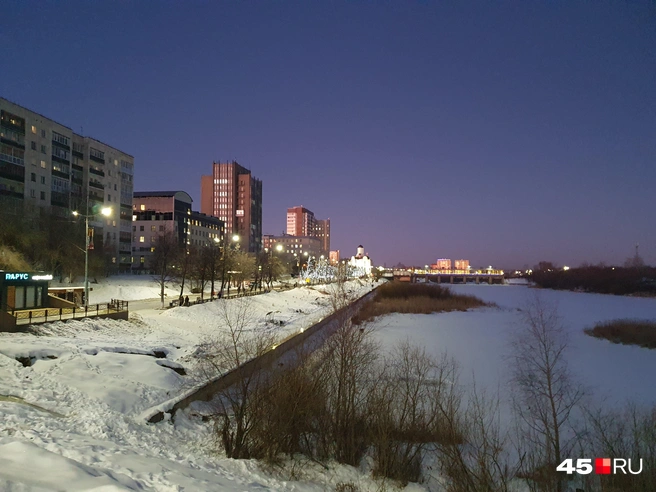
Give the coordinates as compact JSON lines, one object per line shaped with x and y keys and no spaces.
{"x":479,"y":339}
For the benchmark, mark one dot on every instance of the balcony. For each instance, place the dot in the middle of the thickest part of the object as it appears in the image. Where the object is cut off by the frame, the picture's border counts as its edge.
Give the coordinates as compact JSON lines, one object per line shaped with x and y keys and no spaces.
{"x":60,"y":174}
{"x":13,"y":160}
{"x":11,"y":193}
{"x":14,"y":143}
{"x":96,"y":159}
{"x":12,"y":171}
{"x":96,"y":172}
{"x":61,"y":145}
{"x":96,"y":185}
{"x":59,"y":159}
{"x":96,"y":198}
{"x":59,"y":199}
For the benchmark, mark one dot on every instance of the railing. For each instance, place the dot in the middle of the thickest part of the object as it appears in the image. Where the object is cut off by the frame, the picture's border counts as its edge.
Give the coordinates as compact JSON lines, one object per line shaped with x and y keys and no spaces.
{"x":45,"y":315}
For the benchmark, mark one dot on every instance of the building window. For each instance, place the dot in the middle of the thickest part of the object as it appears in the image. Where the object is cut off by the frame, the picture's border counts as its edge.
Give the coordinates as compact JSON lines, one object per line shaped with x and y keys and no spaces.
{"x":142,"y":239}
{"x":152,"y":250}
{"x":134,"y":228}
{"x":33,"y":193}
{"x":153,"y":228}
{"x":142,"y":207}
{"x":34,"y":129}
{"x":43,"y":134}
{"x":141,"y":228}
{"x":33,"y":145}
{"x":33,"y":177}
{"x":43,"y":164}
{"x":43,"y":180}
{"x":142,"y":259}
{"x":161,"y":228}
{"x":153,"y":239}
{"x":43,"y":195}
{"x":44,"y":150}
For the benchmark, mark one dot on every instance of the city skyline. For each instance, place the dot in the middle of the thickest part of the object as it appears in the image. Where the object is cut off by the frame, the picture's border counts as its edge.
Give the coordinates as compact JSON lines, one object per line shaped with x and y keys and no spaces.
{"x":505,"y":134}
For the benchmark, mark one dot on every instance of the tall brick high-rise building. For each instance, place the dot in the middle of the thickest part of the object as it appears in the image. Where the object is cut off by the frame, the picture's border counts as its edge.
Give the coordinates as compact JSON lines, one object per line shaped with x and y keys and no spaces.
{"x":300,"y":221}
{"x":233,"y":195}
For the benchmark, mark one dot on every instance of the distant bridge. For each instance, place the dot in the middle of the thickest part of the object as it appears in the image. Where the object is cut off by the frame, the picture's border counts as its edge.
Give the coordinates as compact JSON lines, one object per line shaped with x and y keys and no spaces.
{"x":447,"y":276}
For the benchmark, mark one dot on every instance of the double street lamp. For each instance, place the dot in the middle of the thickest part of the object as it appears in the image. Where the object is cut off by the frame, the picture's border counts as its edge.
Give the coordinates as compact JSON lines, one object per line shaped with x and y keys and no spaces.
{"x":106,"y":211}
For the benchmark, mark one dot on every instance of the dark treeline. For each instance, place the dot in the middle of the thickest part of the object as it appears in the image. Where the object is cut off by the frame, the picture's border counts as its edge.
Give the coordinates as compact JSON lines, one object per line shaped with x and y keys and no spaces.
{"x":600,"y":279}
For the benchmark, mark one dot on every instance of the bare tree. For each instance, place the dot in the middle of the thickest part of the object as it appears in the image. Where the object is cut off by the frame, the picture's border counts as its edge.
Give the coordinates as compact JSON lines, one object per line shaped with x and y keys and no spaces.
{"x":348,"y":359}
{"x":162,"y":262}
{"x":545,"y":394}
{"x":235,"y":343}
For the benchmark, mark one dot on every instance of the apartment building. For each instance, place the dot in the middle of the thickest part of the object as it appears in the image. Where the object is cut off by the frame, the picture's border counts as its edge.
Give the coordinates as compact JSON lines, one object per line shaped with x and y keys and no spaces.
{"x":157,"y":213}
{"x":45,"y":165}
{"x":322,"y":233}
{"x":300,"y":221}
{"x":293,"y":245}
{"x":233,"y":195}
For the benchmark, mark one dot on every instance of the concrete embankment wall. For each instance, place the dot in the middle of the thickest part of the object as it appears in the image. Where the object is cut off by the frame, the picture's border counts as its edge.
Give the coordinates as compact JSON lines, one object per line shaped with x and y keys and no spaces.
{"x":311,"y":338}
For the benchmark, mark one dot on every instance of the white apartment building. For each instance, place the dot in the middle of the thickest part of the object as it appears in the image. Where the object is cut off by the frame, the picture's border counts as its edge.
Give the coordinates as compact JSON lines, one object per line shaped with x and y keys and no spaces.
{"x":45,"y":165}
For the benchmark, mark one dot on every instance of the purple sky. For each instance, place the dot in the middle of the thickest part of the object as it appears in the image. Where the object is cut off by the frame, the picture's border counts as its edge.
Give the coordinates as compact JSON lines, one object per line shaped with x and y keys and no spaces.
{"x":501,"y":132}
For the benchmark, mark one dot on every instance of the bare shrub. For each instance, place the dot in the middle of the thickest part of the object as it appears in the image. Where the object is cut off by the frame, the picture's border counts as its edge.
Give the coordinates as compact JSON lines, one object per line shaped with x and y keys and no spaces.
{"x":628,"y":434}
{"x":235,"y":343}
{"x":545,"y":395}
{"x":292,"y":406}
{"x":401,"y":297}
{"x":626,"y":331}
{"x":346,"y":487}
{"x":348,"y":364}
{"x":477,"y":457}
{"x":405,"y":412}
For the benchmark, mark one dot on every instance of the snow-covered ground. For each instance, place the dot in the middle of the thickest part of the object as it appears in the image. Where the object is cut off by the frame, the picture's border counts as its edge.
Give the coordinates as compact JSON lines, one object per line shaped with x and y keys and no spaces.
{"x":73,"y":395}
{"x":72,"y":417}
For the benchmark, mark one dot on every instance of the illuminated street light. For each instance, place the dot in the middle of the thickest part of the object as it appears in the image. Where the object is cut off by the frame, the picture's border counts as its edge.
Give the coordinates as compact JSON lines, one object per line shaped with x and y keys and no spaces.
{"x":278,"y":247}
{"x":106,"y":211}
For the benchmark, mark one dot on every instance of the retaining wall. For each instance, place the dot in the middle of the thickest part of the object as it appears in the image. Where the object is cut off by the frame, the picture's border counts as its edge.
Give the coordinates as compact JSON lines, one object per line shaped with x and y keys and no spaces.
{"x":321,"y":330}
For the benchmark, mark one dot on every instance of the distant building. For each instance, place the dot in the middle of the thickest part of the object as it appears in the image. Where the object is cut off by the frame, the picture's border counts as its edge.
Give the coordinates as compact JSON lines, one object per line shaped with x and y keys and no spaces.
{"x":334,"y":257}
{"x":44,"y":165}
{"x":156,"y":213}
{"x":293,"y":245}
{"x":300,"y":221}
{"x":441,"y":264}
{"x":361,"y":261}
{"x":205,"y":230}
{"x":233,"y":195}
{"x":322,"y":232}
{"x":462,"y":264}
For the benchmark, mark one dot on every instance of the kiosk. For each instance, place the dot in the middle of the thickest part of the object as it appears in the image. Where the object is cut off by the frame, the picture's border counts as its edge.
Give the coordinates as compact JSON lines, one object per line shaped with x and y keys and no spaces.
{"x":23,"y":290}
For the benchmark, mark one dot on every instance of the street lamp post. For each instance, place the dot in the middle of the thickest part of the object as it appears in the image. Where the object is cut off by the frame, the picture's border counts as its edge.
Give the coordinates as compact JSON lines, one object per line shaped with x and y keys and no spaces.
{"x":106,"y":211}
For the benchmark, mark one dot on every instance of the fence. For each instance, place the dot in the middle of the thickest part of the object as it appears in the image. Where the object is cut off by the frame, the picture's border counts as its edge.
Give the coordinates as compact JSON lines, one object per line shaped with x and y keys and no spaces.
{"x":45,"y":315}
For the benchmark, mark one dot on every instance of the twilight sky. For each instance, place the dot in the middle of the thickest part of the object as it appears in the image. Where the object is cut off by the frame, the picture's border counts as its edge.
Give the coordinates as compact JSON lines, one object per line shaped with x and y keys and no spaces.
{"x":501,"y":132}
